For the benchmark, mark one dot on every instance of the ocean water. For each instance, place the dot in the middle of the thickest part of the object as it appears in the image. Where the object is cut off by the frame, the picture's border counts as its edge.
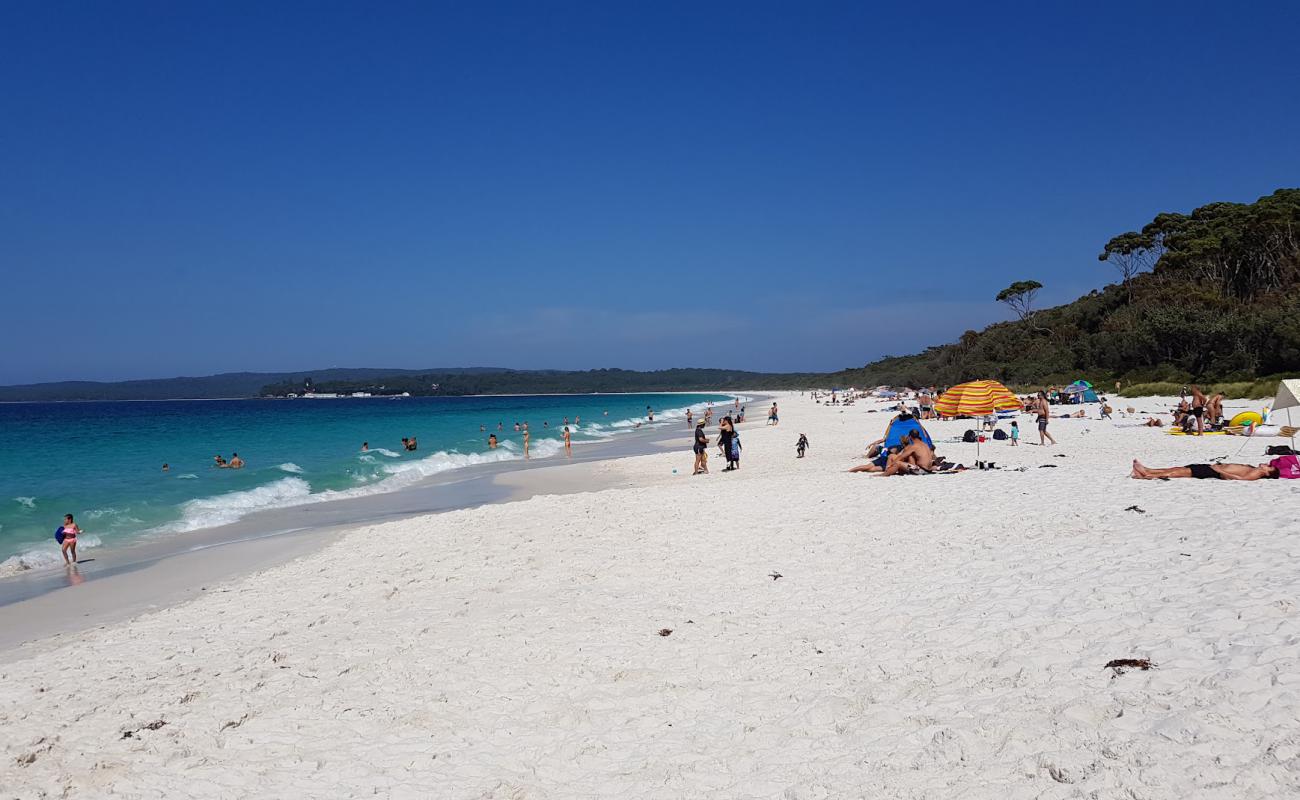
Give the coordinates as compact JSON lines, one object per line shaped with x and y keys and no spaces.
{"x":103,"y":462}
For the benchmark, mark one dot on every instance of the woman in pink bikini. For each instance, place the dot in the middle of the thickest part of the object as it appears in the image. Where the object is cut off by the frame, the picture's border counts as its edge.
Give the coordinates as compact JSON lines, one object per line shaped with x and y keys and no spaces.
{"x":70,"y":531}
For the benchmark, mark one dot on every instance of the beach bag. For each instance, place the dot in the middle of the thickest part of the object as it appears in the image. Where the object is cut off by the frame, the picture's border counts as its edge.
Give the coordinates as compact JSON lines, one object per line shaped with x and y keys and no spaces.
{"x":58,"y":534}
{"x":1287,"y":466}
{"x":999,"y":434}
{"x":970,"y":437}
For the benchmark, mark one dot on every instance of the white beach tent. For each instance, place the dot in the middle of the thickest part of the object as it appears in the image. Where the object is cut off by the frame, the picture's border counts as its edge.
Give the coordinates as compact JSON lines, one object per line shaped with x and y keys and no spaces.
{"x":1288,"y":397}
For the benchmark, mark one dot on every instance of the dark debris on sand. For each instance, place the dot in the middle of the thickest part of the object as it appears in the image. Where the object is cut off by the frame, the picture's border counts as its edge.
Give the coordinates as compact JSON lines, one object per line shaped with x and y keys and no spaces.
{"x":1121,"y":665}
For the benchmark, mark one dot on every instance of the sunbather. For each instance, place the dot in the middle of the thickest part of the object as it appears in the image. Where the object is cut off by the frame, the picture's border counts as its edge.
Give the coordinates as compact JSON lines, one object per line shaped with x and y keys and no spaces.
{"x":879,"y":459}
{"x":1225,"y":472}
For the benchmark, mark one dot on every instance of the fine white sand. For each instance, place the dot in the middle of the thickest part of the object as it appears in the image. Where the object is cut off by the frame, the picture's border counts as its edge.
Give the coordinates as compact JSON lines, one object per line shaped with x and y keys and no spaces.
{"x":939,"y":636}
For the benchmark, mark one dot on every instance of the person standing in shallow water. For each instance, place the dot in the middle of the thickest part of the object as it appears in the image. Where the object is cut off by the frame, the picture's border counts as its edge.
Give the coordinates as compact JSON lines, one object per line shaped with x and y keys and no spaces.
{"x":568,"y":443}
{"x":69,"y":544}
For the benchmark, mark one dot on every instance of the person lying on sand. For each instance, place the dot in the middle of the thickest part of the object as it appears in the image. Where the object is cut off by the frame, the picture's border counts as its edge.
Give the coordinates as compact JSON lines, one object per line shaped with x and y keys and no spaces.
{"x":1224,"y":472}
{"x":1152,"y":422}
{"x":879,"y":459}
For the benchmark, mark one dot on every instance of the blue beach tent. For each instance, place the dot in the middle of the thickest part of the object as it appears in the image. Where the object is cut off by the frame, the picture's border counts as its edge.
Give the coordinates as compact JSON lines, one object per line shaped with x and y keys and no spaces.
{"x":898,"y":427}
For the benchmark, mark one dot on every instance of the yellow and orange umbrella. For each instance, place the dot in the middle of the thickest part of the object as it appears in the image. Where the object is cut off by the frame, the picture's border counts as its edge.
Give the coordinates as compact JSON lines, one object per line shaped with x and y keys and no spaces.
{"x":976,"y":399}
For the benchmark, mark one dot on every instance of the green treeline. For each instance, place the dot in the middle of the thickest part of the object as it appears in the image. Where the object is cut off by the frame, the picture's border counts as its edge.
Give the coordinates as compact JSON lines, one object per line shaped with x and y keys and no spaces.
{"x":556,"y":382}
{"x":1209,"y":296}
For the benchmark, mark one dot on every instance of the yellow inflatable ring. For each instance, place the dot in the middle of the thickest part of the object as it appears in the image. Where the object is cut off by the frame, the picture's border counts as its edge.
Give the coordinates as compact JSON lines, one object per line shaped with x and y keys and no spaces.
{"x":1248,"y":418}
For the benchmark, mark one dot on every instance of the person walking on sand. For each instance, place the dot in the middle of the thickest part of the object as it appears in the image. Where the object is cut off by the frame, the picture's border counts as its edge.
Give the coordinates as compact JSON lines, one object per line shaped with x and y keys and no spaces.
{"x":802,"y":445}
{"x":701,"y":449}
{"x":1015,"y":433}
{"x":568,"y":445}
{"x":772,"y":417}
{"x":689,"y":423}
{"x":69,"y":543}
{"x":1044,"y":414}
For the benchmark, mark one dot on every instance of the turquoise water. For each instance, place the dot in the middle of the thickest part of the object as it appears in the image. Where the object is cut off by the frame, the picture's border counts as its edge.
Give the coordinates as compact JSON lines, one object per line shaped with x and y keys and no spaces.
{"x":103,"y":462}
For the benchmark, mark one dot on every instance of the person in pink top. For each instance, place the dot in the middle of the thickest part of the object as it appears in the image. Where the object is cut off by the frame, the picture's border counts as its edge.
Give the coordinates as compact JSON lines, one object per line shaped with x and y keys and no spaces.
{"x":69,"y":544}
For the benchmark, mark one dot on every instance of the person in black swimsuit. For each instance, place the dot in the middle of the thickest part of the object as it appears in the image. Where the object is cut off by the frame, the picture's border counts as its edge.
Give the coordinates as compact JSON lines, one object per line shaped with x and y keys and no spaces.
{"x":1223,"y":472}
{"x":1043,"y":414}
{"x":1199,"y":402}
{"x":701,"y":449}
{"x":728,"y":445}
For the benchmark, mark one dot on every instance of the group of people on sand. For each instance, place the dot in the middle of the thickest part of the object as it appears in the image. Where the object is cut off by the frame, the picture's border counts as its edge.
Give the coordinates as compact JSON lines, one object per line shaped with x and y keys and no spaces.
{"x":1200,"y":412}
{"x":728,"y":443}
{"x":912,"y":454}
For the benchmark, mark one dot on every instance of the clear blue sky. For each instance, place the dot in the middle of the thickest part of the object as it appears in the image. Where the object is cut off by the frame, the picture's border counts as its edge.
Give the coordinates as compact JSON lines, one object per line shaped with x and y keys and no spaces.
{"x":188,"y":188}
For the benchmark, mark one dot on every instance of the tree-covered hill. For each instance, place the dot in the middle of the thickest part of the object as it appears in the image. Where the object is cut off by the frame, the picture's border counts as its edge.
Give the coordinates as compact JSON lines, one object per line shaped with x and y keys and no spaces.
{"x":1210,"y":295}
{"x":557,"y":382}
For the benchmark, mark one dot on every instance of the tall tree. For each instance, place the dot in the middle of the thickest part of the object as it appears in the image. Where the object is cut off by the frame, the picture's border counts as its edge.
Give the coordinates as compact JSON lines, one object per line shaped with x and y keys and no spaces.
{"x":1133,"y":252}
{"x":1019,"y":297}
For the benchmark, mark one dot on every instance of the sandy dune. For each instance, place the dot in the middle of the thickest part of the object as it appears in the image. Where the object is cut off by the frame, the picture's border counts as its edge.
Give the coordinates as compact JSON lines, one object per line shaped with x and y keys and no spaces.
{"x":940,"y":636}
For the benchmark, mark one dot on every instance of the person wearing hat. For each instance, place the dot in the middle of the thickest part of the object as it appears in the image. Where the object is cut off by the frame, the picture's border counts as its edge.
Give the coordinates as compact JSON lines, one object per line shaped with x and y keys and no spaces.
{"x":701,"y":449}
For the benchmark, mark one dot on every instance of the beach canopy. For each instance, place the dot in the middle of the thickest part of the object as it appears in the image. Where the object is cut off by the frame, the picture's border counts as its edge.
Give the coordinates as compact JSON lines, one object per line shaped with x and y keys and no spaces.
{"x":976,"y":399}
{"x":898,"y":427}
{"x":1078,"y":387}
{"x":1288,"y":394}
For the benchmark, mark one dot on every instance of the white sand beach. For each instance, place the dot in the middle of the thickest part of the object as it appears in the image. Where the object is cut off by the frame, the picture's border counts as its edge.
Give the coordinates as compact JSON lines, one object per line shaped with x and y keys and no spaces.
{"x":789,"y":630}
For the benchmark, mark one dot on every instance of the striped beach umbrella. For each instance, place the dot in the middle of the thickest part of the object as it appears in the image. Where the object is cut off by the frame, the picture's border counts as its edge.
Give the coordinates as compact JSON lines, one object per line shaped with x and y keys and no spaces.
{"x":976,"y":399}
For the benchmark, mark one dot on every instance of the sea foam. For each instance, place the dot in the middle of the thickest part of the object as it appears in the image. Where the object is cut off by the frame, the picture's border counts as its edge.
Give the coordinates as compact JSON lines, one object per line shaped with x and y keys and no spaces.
{"x":44,"y":556}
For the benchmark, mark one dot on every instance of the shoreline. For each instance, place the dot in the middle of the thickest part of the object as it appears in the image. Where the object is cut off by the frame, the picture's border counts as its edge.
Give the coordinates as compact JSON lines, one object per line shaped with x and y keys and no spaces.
{"x":37,"y":558}
{"x":119,"y":582}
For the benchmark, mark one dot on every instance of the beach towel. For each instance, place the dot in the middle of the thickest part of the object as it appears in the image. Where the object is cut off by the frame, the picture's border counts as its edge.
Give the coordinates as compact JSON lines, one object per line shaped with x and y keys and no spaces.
{"x":1287,"y":466}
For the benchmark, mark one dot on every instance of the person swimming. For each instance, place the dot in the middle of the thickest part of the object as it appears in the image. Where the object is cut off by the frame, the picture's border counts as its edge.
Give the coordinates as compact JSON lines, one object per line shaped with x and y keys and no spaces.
{"x":218,"y":461}
{"x":235,"y":461}
{"x":492,"y":441}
